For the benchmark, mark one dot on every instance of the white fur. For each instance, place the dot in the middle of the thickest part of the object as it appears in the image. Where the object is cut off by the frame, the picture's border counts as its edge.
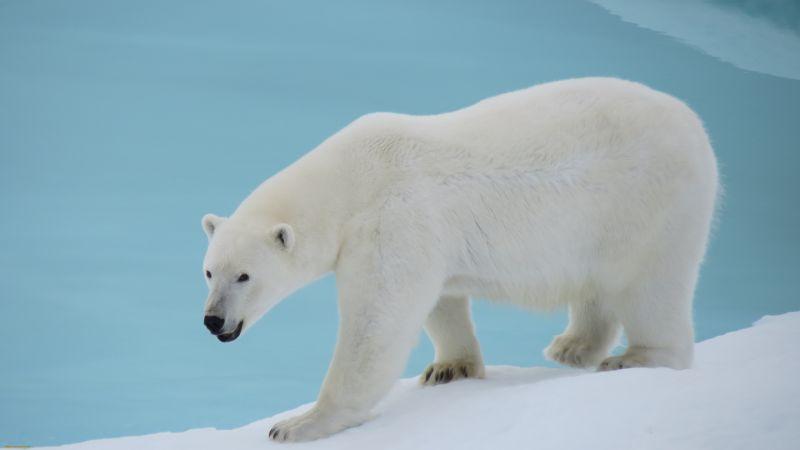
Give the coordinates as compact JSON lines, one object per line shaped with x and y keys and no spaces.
{"x":594,"y":193}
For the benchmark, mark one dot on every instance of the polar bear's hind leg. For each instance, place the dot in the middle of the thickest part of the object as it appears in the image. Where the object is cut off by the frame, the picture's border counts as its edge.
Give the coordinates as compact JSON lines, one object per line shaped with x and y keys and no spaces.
{"x":656,"y":315}
{"x":591,"y":333}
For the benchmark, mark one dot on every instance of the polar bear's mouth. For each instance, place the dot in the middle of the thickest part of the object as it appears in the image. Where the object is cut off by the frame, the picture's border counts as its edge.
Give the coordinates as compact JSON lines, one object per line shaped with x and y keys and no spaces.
{"x":227,"y":337}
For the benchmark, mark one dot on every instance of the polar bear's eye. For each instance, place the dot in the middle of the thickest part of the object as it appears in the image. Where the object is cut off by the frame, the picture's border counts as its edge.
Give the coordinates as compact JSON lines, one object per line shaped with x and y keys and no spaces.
{"x":208,"y":274}
{"x":243,"y":277}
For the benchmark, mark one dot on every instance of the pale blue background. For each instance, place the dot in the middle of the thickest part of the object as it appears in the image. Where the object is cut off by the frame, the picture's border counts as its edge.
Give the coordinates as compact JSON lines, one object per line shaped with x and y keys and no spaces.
{"x":122,"y":123}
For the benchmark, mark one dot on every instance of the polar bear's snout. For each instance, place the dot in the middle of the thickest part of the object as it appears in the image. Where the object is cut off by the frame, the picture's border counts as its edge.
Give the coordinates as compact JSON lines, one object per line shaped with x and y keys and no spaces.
{"x":228,"y":337}
{"x":216,"y":326}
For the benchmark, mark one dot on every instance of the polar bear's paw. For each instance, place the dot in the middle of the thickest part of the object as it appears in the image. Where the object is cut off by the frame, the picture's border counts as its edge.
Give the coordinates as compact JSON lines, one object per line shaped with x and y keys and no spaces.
{"x":622,"y":362}
{"x":445,"y":372}
{"x":574,"y":351}
{"x":309,"y":426}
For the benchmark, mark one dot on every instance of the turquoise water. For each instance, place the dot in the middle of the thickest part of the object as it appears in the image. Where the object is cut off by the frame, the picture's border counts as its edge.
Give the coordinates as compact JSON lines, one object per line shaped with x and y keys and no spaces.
{"x":122,"y":123}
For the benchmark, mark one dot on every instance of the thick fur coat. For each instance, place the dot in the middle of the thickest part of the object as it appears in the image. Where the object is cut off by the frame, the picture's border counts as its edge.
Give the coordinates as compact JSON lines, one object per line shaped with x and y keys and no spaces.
{"x":595,"y":193}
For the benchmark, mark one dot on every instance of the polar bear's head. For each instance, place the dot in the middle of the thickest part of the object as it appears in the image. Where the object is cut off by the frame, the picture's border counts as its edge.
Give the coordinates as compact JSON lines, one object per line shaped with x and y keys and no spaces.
{"x":247,"y":270}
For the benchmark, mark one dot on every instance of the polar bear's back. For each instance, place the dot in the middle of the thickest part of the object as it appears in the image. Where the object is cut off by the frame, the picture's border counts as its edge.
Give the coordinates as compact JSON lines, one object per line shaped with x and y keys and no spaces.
{"x":549,"y":126}
{"x":565,"y":119}
{"x":598,"y":135}
{"x":564,"y":179}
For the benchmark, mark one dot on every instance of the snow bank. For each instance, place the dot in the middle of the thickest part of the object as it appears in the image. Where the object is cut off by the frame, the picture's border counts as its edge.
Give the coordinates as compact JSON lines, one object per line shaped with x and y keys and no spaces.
{"x":743,"y":393}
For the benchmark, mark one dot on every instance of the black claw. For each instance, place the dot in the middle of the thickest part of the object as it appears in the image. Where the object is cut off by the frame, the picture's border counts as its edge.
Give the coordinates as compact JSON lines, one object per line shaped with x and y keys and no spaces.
{"x":428,"y":373}
{"x":449,"y":374}
{"x":439,"y":376}
{"x":464,"y":371}
{"x":271,"y":432}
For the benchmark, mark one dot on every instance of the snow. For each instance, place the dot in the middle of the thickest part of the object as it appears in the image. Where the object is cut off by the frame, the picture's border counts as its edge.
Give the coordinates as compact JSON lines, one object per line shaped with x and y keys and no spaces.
{"x":742,"y":393}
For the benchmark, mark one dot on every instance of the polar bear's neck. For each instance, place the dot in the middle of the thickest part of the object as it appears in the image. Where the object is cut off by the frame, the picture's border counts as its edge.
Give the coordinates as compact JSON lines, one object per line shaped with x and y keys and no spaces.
{"x":310,"y":195}
{"x":324,"y":191}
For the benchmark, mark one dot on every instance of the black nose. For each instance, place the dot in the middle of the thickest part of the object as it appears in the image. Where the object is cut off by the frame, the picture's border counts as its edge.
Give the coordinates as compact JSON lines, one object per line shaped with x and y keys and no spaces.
{"x":214,"y":324}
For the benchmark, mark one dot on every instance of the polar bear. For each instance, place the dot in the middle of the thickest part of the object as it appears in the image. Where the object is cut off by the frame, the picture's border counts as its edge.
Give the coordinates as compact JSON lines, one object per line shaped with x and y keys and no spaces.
{"x":593,"y":193}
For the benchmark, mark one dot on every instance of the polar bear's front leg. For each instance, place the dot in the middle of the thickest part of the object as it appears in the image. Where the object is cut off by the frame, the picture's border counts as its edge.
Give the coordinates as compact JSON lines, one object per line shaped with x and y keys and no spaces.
{"x":378,"y":329}
{"x":458,"y":354}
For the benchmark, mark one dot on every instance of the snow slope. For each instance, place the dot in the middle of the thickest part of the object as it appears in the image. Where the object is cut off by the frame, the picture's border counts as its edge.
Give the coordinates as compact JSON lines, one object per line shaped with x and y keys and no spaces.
{"x":743,"y":393}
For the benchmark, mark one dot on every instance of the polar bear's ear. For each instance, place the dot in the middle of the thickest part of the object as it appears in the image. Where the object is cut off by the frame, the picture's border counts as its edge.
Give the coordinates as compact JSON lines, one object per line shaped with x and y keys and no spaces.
{"x":283,"y":235}
{"x":210,"y":223}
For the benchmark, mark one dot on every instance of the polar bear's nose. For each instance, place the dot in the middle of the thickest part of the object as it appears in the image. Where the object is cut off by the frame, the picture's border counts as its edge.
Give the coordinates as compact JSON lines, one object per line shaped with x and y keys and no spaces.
{"x":214,"y":324}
